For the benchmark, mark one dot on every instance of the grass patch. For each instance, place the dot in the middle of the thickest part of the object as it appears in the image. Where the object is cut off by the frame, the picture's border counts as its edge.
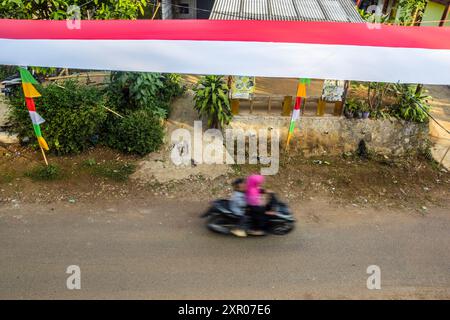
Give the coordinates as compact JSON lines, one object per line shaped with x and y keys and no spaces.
{"x":116,"y":171}
{"x":6,"y":177}
{"x":89,"y":162}
{"x":44,"y":173}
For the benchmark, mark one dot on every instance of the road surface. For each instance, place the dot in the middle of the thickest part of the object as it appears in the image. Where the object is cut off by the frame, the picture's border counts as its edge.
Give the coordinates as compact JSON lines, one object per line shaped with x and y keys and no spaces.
{"x":136,"y":249}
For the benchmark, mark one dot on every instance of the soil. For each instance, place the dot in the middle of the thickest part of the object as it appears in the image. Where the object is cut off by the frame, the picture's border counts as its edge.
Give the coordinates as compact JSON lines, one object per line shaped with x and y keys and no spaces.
{"x":158,"y":166}
{"x":411,"y":184}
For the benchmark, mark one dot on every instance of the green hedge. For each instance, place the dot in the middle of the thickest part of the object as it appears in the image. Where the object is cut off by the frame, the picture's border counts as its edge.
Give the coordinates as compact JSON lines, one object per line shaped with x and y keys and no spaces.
{"x":77,"y":118}
{"x":74,"y":113}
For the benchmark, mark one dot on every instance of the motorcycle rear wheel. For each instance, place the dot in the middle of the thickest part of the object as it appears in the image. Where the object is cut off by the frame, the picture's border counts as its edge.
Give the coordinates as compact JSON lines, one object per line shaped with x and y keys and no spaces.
{"x":282,"y":228}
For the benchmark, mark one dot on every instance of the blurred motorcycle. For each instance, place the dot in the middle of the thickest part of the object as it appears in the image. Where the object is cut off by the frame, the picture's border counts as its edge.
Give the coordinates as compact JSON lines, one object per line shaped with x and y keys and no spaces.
{"x":222,"y":220}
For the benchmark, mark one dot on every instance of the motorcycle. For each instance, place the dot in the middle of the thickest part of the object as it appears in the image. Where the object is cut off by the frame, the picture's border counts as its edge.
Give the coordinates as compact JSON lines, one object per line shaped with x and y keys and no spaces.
{"x":11,"y":84}
{"x":222,"y":220}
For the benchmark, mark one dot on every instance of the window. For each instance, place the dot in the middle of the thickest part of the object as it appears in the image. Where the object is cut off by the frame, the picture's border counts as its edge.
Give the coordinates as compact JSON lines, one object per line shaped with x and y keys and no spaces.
{"x":183,"y":8}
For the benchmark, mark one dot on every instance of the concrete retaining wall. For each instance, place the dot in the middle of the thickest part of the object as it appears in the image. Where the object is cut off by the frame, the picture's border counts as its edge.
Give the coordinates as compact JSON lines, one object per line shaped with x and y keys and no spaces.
{"x":334,"y":135}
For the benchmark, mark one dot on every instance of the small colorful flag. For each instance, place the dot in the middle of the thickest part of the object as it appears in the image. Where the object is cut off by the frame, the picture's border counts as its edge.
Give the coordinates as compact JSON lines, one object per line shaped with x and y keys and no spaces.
{"x":30,"y":92}
{"x":301,"y":94}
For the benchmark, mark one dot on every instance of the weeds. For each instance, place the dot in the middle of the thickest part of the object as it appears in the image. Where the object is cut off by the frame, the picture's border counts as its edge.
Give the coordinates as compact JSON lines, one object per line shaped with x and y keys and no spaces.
{"x":111,"y":170}
{"x":44,"y":173}
{"x":6,"y":177}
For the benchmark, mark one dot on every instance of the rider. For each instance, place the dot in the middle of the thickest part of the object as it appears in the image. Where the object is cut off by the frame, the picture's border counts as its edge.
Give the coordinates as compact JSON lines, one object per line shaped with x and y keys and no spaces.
{"x":238,"y":206}
{"x":255,"y":203}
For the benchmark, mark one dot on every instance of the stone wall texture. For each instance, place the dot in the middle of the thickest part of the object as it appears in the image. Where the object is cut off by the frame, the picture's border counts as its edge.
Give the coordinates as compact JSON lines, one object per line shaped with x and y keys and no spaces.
{"x":335,"y":135}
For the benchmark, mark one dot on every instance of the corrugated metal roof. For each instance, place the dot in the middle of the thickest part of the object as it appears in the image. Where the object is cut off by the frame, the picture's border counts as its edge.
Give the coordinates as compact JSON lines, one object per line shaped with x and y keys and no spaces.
{"x":303,"y":10}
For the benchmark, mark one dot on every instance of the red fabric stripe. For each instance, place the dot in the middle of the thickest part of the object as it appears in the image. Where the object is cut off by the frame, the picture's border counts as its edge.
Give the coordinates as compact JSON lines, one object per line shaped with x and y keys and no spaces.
{"x":298,"y":103}
{"x":360,"y":34}
{"x":30,"y":104}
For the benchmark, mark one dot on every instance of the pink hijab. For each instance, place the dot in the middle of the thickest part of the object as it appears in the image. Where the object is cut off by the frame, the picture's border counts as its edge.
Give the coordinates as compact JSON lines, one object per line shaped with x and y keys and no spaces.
{"x":253,"y":194}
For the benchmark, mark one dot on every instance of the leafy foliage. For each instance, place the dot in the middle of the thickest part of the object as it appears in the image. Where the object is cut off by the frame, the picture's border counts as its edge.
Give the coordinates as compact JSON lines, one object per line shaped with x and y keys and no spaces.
{"x":211,"y":100}
{"x":143,"y":99}
{"x":75,"y":114}
{"x":410,"y":11}
{"x":58,"y":9}
{"x":131,"y":91}
{"x":139,"y":132}
{"x":411,"y":105}
{"x":389,"y":99}
{"x":373,"y":17}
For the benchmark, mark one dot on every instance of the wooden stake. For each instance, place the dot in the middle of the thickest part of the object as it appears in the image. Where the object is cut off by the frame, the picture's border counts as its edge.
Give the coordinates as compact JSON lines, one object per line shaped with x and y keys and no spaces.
{"x":156,"y":11}
{"x":112,"y":111}
{"x":43,"y":154}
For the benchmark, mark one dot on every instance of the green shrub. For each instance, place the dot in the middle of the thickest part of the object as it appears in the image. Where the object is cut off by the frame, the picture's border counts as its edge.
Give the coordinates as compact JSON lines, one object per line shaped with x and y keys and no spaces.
{"x":139,"y":132}
{"x":42,"y":173}
{"x":143,"y":99}
{"x":172,"y":86}
{"x":74,"y":115}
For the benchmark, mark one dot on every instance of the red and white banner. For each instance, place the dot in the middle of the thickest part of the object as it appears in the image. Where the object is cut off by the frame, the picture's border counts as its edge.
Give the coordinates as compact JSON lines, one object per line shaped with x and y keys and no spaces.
{"x":323,"y":50}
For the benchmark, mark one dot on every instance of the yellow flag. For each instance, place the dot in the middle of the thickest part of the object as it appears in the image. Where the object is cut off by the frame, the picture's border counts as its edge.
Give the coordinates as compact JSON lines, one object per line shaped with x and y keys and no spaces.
{"x":301,"y":91}
{"x":43,"y":143}
{"x":30,"y":91}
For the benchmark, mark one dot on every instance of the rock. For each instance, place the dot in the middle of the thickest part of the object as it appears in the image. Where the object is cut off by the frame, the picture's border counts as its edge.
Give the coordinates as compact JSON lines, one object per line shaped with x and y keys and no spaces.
{"x":7,"y":138}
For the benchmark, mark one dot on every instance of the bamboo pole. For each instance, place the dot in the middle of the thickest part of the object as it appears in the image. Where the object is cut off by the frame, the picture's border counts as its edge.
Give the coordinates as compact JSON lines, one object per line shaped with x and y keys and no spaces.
{"x":43,"y":154}
{"x":445,"y":154}
{"x":79,"y":75}
{"x":156,"y":11}
{"x":112,"y":111}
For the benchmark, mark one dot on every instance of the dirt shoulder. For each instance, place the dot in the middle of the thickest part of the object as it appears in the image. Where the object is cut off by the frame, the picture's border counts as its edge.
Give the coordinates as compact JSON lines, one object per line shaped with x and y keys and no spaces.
{"x":98,"y":175}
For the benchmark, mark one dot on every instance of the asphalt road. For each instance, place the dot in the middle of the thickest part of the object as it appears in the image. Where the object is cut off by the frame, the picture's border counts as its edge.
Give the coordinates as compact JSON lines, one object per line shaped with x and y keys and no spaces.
{"x":136,"y":250}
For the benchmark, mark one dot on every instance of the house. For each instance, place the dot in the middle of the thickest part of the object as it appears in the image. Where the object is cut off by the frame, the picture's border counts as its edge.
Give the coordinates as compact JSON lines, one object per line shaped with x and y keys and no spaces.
{"x":298,"y":10}
{"x":436,"y":13}
{"x":186,"y":9}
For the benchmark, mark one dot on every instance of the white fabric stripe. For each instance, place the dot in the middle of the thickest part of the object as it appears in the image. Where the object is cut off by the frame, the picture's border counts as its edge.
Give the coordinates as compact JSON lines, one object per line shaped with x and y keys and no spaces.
{"x":295,"y":115}
{"x":36,"y":118}
{"x":340,"y":62}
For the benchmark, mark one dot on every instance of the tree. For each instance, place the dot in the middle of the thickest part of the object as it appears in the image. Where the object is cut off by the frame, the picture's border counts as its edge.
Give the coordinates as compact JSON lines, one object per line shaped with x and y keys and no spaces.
{"x":58,"y":9}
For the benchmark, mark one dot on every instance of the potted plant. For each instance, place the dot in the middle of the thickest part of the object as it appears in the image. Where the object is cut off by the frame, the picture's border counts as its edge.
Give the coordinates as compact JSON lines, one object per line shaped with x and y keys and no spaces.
{"x":365,"y":110}
{"x":358,"y":110}
{"x":350,"y":107}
